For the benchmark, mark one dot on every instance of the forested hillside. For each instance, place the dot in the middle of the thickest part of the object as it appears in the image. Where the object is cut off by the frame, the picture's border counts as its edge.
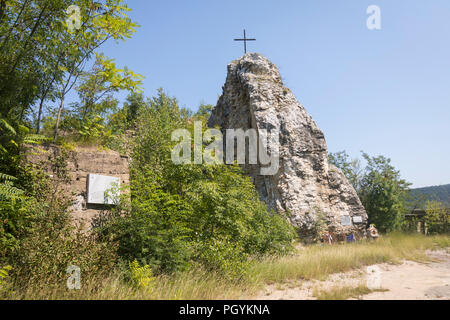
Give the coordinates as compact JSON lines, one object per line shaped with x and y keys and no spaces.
{"x":438,"y":193}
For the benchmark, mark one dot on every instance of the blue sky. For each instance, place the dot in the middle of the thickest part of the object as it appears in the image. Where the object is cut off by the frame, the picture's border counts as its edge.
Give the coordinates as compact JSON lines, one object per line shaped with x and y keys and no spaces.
{"x":382,"y":91}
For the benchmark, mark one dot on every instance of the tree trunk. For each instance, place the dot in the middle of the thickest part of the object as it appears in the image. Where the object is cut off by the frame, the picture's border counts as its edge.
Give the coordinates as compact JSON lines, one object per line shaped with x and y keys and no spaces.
{"x":38,"y":124}
{"x":58,"y":118}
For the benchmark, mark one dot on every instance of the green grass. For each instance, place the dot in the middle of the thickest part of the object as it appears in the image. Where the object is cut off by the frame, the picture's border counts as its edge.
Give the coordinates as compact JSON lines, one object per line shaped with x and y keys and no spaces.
{"x":310,"y":262}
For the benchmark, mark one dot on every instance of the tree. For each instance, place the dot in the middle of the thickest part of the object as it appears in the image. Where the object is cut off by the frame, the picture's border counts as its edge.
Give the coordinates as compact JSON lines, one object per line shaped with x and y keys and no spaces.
{"x":204,"y":110}
{"x":132,"y":108}
{"x":24,"y":23}
{"x":41,"y":58}
{"x":383,"y":193}
{"x":96,"y":88}
{"x":104,"y":79}
{"x":350,"y":167}
{"x":437,"y":218}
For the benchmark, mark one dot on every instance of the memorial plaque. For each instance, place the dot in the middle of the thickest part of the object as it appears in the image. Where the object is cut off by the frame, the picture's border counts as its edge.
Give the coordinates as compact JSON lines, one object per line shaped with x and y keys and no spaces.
{"x":103,"y":189}
{"x":346,"y":221}
{"x":357,"y":219}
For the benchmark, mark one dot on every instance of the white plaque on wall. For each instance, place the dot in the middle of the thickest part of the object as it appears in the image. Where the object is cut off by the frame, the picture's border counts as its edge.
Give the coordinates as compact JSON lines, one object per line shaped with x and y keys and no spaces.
{"x":103,"y":189}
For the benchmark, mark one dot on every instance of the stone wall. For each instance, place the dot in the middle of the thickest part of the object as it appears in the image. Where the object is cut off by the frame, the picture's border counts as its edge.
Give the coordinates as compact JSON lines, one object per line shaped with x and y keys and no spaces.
{"x":81,"y":162}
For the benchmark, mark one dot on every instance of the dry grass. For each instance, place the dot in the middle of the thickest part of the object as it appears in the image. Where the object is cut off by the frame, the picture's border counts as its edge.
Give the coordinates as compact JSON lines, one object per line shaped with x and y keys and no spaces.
{"x":311,"y":262}
{"x":317,"y":262}
{"x":198,"y":285}
{"x":343,"y":293}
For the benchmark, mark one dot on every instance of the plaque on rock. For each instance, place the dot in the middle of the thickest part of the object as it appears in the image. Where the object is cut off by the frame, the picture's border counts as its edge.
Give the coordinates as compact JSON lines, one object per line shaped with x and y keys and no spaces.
{"x":103,"y":189}
{"x":346,"y":221}
{"x":357,"y":219}
{"x":297,"y":174}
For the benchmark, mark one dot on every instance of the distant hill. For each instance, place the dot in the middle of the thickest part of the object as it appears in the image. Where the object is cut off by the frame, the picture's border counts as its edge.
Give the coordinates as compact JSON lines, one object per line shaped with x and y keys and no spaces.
{"x":439,"y":193}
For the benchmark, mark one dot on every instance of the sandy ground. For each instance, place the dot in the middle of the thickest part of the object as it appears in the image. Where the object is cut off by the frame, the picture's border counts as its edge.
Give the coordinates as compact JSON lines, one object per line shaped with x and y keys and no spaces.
{"x":407,"y":281}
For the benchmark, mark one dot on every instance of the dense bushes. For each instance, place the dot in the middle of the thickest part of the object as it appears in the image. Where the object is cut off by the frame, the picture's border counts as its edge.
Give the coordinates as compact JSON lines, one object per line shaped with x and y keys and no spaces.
{"x":53,"y":244}
{"x":171,"y":232}
{"x":152,"y":230}
{"x":39,"y":240}
{"x":184,"y":215}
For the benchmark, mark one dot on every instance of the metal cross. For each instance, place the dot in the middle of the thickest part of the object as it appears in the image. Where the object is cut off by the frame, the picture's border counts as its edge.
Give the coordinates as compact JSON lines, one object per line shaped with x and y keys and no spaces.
{"x":245,"y":41}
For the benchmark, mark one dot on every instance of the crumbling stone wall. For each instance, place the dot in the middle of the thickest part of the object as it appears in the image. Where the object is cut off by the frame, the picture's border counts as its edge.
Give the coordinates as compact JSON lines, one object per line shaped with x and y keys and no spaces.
{"x":81,"y":162}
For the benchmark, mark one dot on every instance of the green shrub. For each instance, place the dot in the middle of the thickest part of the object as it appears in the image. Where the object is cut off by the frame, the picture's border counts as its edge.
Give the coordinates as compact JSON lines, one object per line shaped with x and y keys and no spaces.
{"x":223,"y":257}
{"x":5,"y":286}
{"x":14,"y":221}
{"x":152,"y":229}
{"x":270,"y":234}
{"x":52,"y":244}
{"x":141,"y":277}
{"x":436,"y":218}
{"x":48,"y":240}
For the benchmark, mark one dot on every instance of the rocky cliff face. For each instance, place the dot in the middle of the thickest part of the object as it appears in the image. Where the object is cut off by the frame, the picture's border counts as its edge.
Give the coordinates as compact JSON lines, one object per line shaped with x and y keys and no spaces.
{"x":306,"y":186}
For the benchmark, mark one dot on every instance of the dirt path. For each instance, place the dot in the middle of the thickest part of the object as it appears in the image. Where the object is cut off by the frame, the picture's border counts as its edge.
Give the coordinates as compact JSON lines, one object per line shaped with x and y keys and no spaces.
{"x":406,"y":281}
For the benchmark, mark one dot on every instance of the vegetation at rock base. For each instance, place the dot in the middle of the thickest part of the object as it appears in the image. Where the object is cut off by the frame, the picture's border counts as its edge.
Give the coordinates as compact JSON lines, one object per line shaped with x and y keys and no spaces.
{"x":306,"y":263}
{"x":387,"y":198}
{"x":382,"y":191}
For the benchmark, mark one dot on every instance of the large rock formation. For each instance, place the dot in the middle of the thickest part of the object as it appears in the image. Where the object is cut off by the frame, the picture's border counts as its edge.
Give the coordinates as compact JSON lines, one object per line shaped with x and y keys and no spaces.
{"x":306,"y":186}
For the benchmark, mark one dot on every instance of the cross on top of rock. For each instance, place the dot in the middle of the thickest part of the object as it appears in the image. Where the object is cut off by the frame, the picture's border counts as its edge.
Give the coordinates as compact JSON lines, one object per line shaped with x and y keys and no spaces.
{"x":245,"y":39}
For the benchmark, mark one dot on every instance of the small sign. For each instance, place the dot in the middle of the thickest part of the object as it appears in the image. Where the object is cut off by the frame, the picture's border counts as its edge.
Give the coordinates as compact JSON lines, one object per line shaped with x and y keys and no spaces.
{"x":346,"y":221}
{"x":103,"y":189}
{"x":357,"y":219}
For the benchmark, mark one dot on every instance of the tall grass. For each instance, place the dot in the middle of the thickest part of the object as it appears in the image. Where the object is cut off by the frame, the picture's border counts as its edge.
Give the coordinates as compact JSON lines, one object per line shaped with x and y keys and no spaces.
{"x":310,"y":262}
{"x":317,"y":262}
{"x":194,"y":285}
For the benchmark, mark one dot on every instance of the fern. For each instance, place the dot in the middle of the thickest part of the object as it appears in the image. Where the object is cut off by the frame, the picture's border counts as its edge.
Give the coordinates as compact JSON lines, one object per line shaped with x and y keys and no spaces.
{"x":7,"y":126}
{"x":7,"y":190}
{"x":4,"y":285}
{"x":7,"y":177}
{"x":4,"y":272}
{"x":34,"y":139}
{"x":17,"y":137}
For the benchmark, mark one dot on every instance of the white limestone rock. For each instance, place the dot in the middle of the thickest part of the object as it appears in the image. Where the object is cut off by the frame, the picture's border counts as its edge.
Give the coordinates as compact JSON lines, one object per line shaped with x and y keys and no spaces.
{"x":306,"y":185}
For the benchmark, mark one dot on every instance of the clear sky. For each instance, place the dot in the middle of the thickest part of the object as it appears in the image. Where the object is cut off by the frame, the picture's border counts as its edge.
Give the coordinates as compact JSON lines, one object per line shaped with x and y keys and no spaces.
{"x":382,"y":91}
